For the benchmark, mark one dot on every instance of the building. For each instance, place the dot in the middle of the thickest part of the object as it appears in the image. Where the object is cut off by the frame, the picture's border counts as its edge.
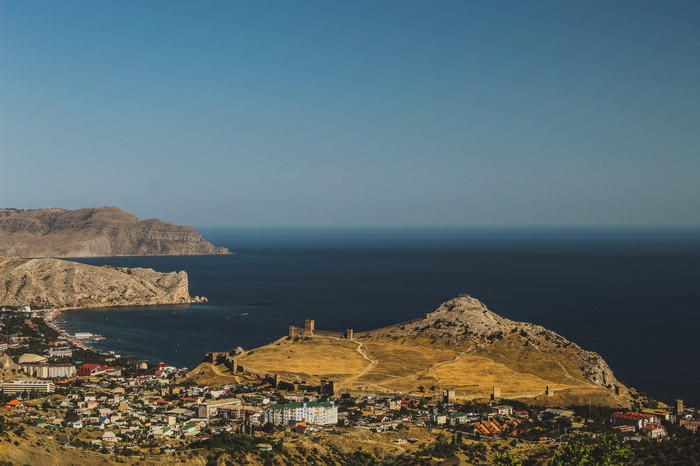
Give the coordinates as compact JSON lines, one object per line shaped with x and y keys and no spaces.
{"x":49,"y":371}
{"x":653,"y":431}
{"x":12,"y":388}
{"x":61,"y":352}
{"x":638,"y":420}
{"x":502,"y":410}
{"x":211,"y":408}
{"x":321,"y":413}
{"x":138,"y":365}
{"x":89,"y":369}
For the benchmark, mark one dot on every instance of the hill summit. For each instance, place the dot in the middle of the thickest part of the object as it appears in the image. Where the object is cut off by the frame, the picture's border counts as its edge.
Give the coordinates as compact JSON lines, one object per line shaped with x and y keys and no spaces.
{"x":104,"y":231}
{"x":461,"y":346}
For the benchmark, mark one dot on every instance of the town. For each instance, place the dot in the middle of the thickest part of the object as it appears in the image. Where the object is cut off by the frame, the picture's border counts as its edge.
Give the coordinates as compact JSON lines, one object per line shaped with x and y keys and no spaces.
{"x":59,"y":392}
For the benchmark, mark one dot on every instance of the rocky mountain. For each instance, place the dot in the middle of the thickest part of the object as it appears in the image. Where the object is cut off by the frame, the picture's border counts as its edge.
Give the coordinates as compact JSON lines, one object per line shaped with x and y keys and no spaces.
{"x":466,"y":319}
{"x":461,"y":346}
{"x":55,"y":283}
{"x":105,"y":231}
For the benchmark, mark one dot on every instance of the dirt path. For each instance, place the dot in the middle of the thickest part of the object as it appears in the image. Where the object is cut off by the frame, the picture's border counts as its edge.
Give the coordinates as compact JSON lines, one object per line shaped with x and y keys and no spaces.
{"x":372,"y":363}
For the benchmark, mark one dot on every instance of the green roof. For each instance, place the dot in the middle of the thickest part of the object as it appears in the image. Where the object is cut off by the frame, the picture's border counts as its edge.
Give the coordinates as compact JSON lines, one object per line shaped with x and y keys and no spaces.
{"x":294,"y":405}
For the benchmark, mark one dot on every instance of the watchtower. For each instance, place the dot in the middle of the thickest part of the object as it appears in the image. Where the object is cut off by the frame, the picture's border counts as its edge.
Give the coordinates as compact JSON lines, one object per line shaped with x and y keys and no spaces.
{"x":309,"y":325}
{"x":350,"y":334}
{"x":496,"y":395}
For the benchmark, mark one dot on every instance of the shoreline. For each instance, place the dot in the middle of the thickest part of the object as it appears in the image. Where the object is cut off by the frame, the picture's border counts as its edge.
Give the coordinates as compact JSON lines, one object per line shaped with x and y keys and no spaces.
{"x":49,"y":316}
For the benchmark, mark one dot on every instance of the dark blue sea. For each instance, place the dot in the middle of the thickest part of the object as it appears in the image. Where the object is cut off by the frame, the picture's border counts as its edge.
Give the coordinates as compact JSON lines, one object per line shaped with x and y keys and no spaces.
{"x":631,"y":295}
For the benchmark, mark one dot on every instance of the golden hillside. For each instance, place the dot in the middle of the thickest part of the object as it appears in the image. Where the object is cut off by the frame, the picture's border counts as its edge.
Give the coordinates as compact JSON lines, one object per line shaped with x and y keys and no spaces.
{"x":461,"y":346}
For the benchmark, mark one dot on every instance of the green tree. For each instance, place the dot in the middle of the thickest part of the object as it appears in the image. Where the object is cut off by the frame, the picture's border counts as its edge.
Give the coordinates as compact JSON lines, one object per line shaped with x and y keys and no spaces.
{"x":575,"y":453}
{"x":610,"y":452}
{"x":506,"y":459}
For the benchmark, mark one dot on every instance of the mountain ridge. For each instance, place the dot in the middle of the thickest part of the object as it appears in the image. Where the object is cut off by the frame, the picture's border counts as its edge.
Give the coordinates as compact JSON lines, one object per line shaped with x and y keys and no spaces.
{"x":90,"y":232}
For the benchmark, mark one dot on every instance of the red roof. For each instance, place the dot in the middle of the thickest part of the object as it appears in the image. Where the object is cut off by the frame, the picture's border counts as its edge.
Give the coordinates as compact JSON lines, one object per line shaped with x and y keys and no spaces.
{"x":632,"y":416}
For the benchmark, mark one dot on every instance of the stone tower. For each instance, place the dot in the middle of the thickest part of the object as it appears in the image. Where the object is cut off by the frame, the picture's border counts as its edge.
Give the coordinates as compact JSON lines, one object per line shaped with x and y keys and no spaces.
{"x":309,"y":325}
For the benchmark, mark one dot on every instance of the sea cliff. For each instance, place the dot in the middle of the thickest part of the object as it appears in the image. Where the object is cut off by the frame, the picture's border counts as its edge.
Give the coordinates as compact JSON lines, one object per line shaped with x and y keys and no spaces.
{"x":105,"y":231}
{"x":55,"y":283}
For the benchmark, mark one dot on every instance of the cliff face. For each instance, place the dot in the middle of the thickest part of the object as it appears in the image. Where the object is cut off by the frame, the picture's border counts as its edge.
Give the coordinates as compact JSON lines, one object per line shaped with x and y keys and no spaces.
{"x":54,"y":283}
{"x":107,"y":231}
{"x":466,"y":319}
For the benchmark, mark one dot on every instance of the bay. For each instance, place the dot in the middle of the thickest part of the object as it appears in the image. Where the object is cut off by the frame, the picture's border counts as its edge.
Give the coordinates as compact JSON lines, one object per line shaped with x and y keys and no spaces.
{"x":630,"y":295}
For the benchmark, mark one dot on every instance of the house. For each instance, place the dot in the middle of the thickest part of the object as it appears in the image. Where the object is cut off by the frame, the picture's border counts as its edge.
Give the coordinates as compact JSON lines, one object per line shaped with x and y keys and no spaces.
{"x":109,"y":437}
{"x":653,"y":431}
{"x":630,"y":418}
{"x":138,"y":365}
{"x":502,"y":410}
{"x":190,"y":430}
{"x":460,"y":418}
{"x":89,"y":370}
{"x":395,"y":404}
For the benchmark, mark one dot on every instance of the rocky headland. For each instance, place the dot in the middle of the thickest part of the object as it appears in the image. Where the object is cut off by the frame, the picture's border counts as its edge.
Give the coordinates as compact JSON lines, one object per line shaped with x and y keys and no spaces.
{"x":55,"y":283}
{"x":461,"y":346}
{"x":105,"y":231}
{"x":466,"y":319}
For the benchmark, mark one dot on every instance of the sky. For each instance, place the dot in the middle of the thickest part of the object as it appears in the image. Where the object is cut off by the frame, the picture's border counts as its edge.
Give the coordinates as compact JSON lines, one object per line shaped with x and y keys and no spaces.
{"x":354,"y":113}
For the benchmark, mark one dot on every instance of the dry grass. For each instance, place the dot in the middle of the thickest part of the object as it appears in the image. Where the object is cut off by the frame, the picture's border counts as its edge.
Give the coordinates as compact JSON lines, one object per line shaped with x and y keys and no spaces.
{"x":408,"y":363}
{"x":308,"y":360}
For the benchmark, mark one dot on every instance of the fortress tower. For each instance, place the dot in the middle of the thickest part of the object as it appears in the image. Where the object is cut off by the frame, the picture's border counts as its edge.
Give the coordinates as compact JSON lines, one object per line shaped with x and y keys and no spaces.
{"x":309,"y":325}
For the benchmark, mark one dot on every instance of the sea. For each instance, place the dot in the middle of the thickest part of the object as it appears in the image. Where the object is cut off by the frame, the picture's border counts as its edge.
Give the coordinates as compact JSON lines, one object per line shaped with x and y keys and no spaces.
{"x":631,"y":295}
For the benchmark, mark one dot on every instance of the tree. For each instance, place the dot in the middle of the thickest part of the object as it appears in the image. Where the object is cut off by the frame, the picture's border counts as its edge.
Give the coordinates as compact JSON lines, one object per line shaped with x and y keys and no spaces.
{"x":575,"y":453}
{"x":506,"y":459}
{"x":610,"y":452}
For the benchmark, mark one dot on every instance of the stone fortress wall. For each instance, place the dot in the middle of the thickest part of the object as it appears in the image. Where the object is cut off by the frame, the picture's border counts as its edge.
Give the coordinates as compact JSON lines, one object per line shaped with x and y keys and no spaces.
{"x":228,"y":358}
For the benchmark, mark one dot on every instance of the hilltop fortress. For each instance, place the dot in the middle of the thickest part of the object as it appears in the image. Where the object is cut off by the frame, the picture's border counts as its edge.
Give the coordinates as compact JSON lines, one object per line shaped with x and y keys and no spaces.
{"x":462,"y":348}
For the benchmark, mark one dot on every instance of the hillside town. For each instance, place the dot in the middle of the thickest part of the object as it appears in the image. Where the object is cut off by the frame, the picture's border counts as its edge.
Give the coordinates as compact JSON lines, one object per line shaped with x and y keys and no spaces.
{"x":57,"y":389}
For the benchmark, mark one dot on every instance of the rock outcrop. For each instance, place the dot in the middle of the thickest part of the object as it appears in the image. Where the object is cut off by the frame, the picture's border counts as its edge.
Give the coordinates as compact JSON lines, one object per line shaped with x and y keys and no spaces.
{"x":55,"y":283}
{"x":106,"y":231}
{"x":467,"y":319}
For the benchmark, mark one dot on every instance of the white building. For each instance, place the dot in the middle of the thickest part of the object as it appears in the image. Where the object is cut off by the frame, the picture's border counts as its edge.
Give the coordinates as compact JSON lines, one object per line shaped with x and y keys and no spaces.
{"x":25,"y":386}
{"x":654,"y":431}
{"x":49,"y":371}
{"x":321,"y":413}
{"x":62,"y":351}
{"x":502,"y":410}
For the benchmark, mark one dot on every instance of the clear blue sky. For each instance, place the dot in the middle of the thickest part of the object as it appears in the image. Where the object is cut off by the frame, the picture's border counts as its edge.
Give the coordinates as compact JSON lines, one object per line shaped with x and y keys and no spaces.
{"x":265,"y":113}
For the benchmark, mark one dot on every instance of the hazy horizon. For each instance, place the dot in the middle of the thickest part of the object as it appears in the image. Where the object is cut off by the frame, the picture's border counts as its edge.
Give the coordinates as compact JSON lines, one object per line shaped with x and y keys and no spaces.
{"x":358,"y":114}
